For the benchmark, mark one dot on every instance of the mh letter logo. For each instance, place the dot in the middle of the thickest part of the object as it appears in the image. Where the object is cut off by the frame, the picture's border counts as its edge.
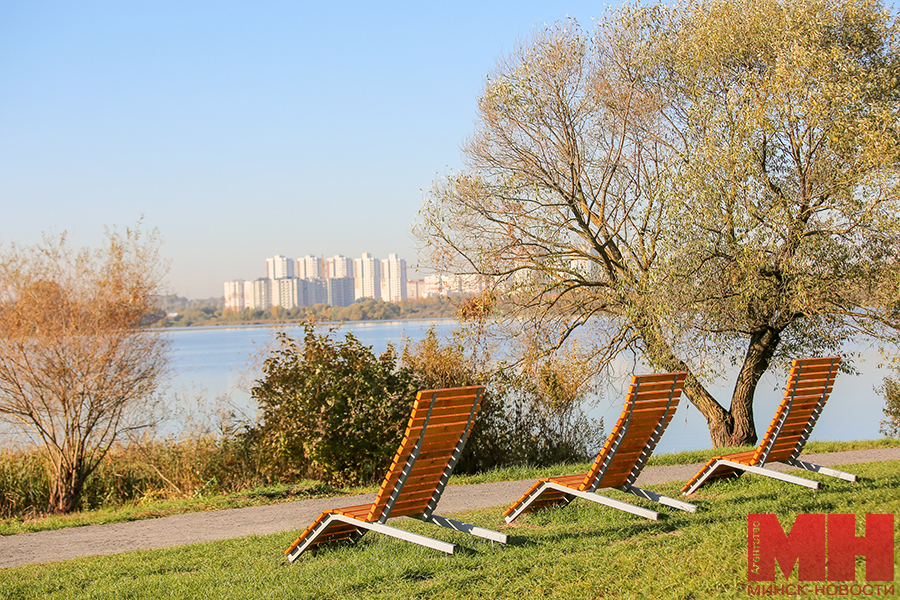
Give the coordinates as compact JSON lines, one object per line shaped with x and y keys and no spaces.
{"x":820,"y":554}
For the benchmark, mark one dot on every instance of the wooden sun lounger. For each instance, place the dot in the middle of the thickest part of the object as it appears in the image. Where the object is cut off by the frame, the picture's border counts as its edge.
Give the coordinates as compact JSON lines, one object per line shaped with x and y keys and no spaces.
{"x":807,"y":390}
{"x":650,"y":405}
{"x":441,"y":421}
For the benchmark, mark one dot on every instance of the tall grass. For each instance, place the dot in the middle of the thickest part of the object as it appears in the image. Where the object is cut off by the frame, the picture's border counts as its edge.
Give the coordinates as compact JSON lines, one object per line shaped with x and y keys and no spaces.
{"x":207,"y":473}
{"x":24,"y":485}
{"x":142,"y":470}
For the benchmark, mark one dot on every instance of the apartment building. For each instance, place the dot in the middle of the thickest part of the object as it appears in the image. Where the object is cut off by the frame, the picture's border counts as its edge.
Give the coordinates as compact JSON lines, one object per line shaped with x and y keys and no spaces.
{"x":337,"y":281}
{"x":234,"y":295}
{"x":279,"y":267}
{"x":338,"y":267}
{"x":393,"y":279}
{"x":368,"y":276}
{"x":258,"y":293}
{"x":309,"y":267}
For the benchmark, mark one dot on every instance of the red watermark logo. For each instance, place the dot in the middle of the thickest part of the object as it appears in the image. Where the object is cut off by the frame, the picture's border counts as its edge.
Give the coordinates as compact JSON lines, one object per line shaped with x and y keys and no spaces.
{"x":823,"y":547}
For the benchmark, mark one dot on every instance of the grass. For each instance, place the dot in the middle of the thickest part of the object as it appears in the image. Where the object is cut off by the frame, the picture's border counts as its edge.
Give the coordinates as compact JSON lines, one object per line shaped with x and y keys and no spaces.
{"x":582,"y":551}
{"x":151,"y":509}
{"x":304,"y":490}
{"x":676,"y":458}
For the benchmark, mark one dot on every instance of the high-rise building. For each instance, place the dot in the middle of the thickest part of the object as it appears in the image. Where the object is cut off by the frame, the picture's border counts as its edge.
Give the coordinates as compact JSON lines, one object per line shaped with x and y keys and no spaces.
{"x":234,"y":295}
{"x":286,"y":292}
{"x":315,"y":291}
{"x":338,"y":266}
{"x":415,"y":289}
{"x":340,"y":291}
{"x":309,"y":267}
{"x":257,"y":294}
{"x":279,"y":267}
{"x":393,"y":274}
{"x":368,"y":276}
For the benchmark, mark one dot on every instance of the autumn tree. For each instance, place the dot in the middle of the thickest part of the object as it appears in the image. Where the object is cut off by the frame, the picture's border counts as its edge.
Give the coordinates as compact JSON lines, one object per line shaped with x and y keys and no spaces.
{"x":690,"y":183}
{"x":78,"y":367}
{"x":785,"y":225}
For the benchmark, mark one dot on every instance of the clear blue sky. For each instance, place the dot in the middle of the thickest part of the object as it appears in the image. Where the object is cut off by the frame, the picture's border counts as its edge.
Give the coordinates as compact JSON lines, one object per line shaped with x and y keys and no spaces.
{"x":242,"y":130}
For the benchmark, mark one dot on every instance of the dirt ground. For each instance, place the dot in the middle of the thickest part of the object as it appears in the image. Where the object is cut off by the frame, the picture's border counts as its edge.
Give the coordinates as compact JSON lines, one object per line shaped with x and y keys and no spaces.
{"x":179,"y":530}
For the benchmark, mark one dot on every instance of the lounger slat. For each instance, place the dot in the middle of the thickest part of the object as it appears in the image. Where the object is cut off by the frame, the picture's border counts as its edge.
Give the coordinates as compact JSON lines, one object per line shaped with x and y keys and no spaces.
{"x":647,"y":410}
{"x":435,"y":430}
{"x":454,"y":419}
{"x":809,"y":386}
{"x":441,"y":411}
{"x":642,"y":422}
{"x":655,"y":378}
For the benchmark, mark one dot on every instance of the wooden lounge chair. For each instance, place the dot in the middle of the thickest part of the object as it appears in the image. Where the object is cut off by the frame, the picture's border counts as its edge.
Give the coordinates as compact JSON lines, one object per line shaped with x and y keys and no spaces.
{"x":807,"y":390}
{"x":438,"y":427}
{"x":651,"y":402}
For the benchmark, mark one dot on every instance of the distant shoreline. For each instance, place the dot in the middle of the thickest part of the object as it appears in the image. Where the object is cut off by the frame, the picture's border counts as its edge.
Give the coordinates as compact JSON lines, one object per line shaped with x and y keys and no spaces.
{"x":261,"y":325}
{"x":368,"y":309}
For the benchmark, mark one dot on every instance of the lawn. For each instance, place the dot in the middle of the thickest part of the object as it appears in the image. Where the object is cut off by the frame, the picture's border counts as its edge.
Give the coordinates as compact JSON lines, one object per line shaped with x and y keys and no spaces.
{"x":582,"y":551}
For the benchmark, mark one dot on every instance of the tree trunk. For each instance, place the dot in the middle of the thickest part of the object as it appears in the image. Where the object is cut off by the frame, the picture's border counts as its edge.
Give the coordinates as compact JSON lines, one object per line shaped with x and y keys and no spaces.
{"x":733,"y":427}
{"x":66,"y":484}
{"x":756,"y":360}
{"x":719,"y":420}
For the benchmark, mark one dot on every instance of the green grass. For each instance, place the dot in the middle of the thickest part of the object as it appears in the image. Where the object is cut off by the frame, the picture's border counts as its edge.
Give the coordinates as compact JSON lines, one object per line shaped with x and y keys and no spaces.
{"x":304,"y":490}
{"x":135,"y":511}
{"x":581,"y":551}
{"x":676,"y":458}
{"x":695,"y":456}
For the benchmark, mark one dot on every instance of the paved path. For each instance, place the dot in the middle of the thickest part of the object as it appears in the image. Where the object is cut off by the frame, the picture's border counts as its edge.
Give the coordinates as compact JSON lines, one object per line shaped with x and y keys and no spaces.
{"x":179,"y":530}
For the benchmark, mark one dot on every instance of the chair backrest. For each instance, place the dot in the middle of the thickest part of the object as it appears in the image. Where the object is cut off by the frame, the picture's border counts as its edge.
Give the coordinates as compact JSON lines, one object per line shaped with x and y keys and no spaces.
{"x":648,"y":409}
{"x":807,"y":390}
{"x":437,"y":431}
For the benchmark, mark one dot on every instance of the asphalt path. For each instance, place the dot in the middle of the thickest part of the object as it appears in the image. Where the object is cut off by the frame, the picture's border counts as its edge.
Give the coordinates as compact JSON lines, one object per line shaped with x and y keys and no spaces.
{"x":179,"y":530}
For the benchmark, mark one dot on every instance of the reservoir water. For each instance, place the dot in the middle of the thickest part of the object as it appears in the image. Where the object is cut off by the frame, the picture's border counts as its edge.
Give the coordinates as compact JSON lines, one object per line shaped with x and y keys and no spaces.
{"x":217,"y":363}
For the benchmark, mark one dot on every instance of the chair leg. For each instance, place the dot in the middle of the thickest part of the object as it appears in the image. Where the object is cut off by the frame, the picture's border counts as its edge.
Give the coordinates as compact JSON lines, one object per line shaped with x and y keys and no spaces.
{"x":774,"y":474}
{"x":535,"y":493}
{"x":642,"y":493}
{"x":373,"y":526}
{"x":595,"y":497}
{"x":524,"y":503}
{"x":820,"y":469}
{"x":708,"y":471}
{"x":324,"y":525}
{"x":487,"y":534}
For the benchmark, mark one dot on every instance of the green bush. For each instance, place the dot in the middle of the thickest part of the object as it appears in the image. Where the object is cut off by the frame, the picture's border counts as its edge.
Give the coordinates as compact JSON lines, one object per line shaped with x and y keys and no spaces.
{"x":529,"y":415}
{"x":331,"y":409}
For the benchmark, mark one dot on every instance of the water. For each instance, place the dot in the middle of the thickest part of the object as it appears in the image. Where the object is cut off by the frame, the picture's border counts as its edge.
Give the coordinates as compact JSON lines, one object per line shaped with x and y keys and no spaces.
{"x":218,"y":363}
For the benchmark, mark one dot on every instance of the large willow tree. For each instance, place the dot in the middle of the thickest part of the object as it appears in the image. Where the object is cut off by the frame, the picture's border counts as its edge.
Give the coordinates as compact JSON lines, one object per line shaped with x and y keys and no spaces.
{"x":706,"y":182}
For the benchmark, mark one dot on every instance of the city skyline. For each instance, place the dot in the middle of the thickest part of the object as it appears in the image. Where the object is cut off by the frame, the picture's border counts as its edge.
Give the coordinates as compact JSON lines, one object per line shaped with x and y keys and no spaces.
{"x":338,"y":281}
{"x":239,"y":130}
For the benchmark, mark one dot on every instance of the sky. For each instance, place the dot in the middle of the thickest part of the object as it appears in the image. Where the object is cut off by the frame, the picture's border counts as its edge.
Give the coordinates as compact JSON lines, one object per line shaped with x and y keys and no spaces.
{"x":243,"y":130}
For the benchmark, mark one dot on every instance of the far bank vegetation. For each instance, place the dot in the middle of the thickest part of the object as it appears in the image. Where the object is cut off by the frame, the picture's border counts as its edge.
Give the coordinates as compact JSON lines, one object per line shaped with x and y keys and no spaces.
{"x":210,"y":313}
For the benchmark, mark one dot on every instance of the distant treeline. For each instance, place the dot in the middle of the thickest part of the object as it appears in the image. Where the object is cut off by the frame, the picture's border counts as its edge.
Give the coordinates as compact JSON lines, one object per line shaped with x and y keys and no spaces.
{"x":440,"y":307}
